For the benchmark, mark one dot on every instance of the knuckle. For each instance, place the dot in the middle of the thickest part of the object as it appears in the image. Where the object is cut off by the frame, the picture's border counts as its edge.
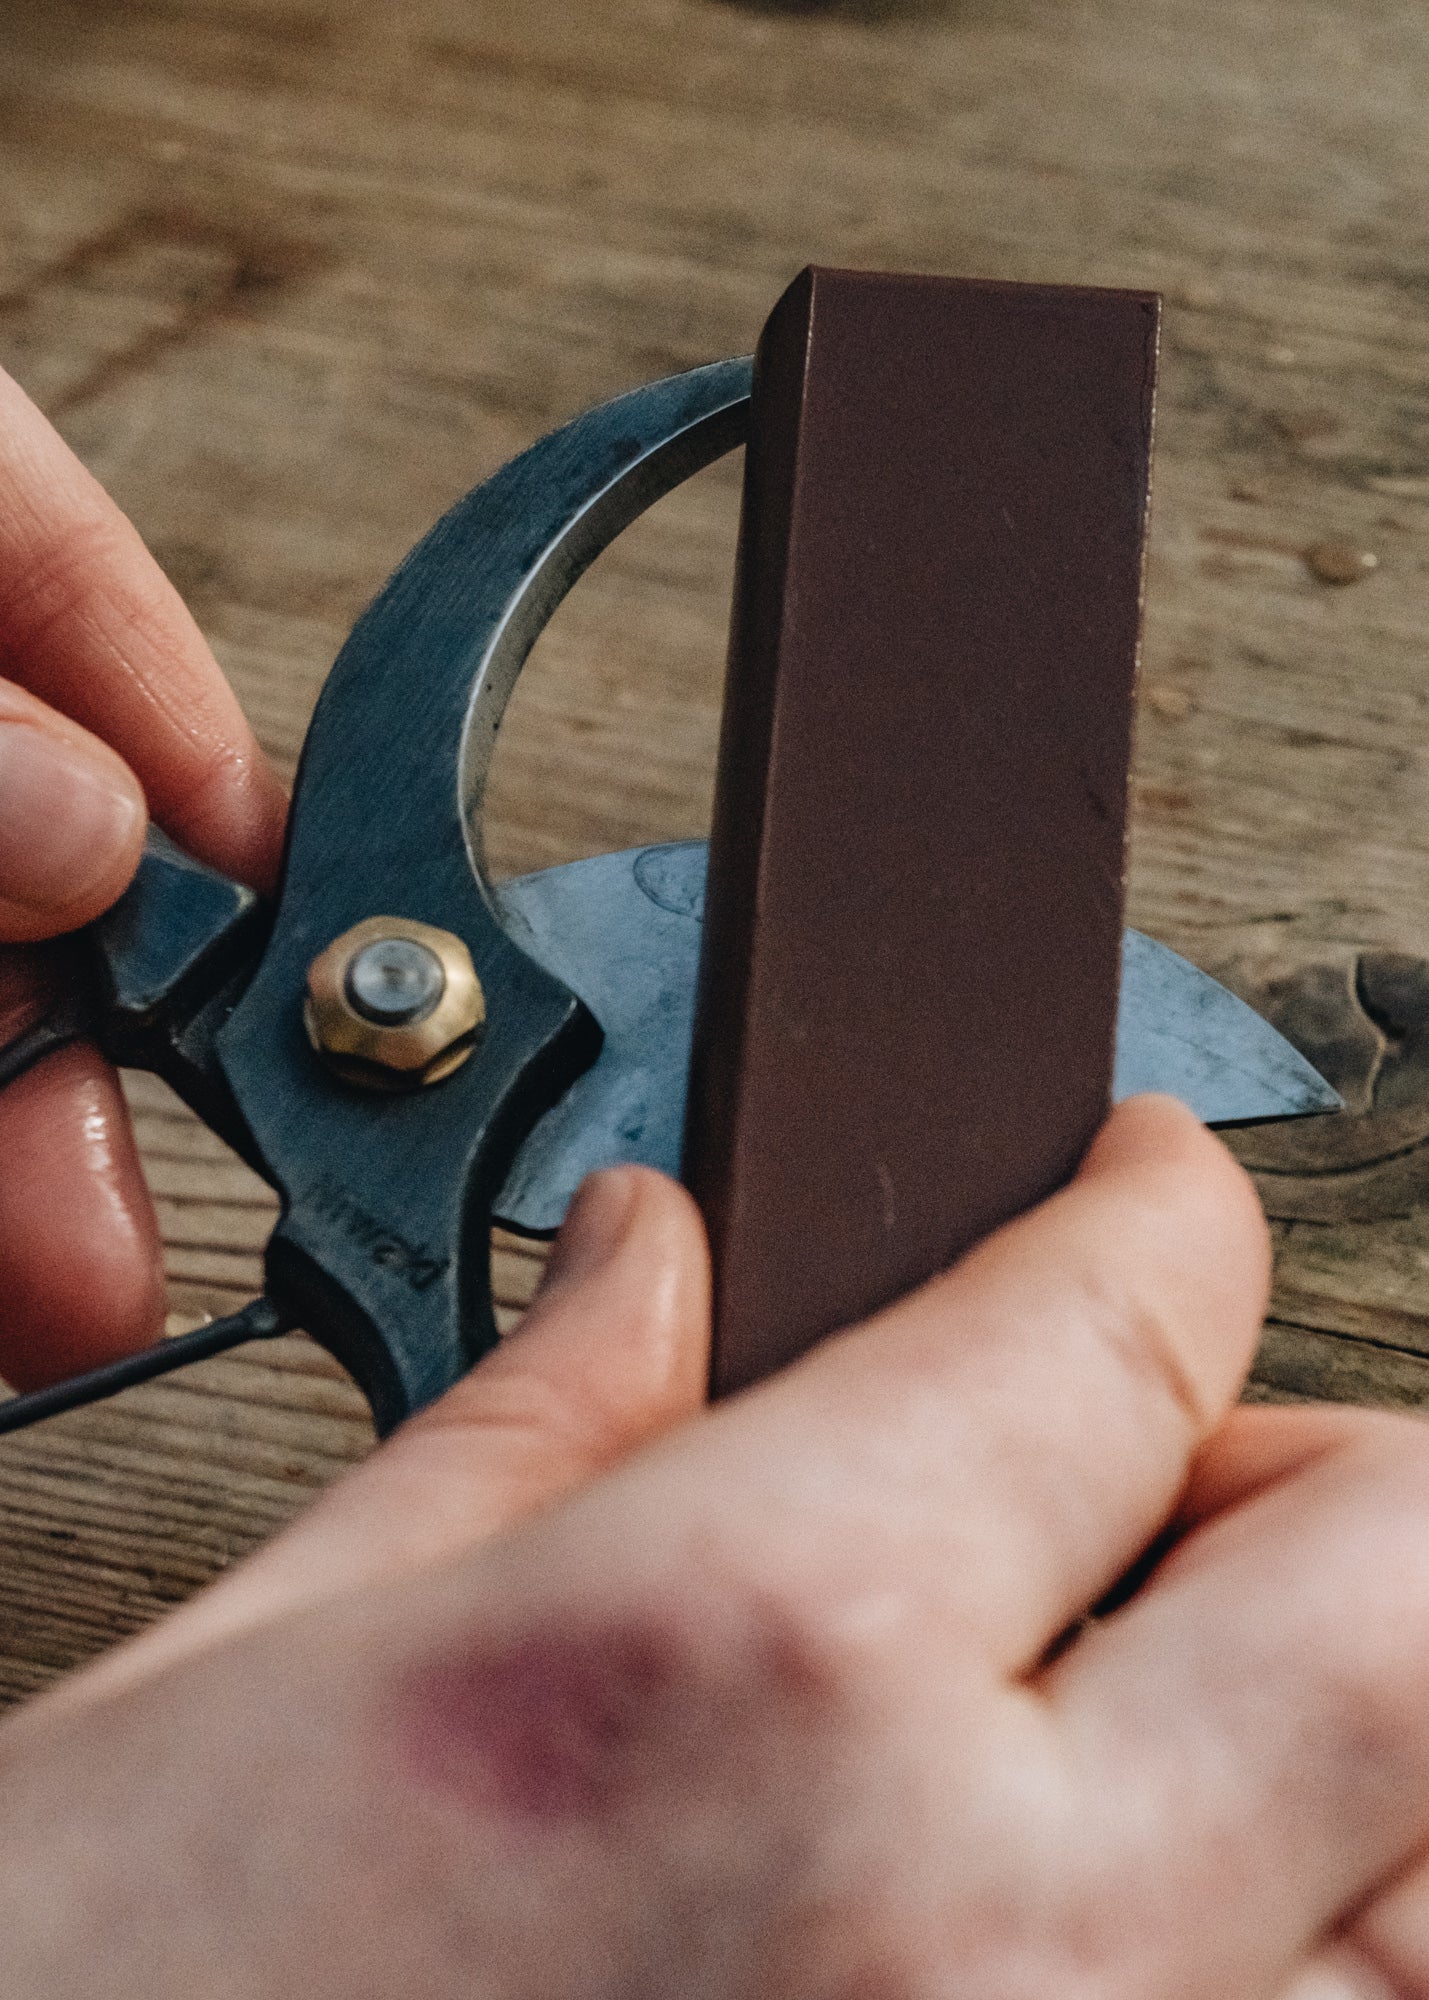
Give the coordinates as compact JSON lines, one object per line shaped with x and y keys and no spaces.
{"x":1400,"y":1441}
{"x":525,"y":1407}
{"x":1380,"y":1460}
{"x":1357,"y":1967}
{"x":1141,"y":1339}
{"x":55,"y":579}
{"x":1370,"y":1660}
{"x":772,"y":1646}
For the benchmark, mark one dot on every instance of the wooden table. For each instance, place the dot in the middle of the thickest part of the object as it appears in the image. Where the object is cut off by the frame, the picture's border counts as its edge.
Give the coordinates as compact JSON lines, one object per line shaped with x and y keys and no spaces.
{"x":291,"y":276}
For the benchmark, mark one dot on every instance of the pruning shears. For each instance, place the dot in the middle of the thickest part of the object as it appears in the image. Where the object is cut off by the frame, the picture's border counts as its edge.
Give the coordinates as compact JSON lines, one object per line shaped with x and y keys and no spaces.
{"x":408,"y":1052}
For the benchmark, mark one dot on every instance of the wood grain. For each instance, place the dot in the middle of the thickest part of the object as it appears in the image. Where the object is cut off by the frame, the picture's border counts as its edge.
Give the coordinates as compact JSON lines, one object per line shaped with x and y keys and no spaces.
{"x":292,"y":276}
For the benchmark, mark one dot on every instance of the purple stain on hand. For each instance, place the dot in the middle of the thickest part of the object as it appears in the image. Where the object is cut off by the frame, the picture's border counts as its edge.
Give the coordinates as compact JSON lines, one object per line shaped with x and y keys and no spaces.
{"x":549,"y":1728}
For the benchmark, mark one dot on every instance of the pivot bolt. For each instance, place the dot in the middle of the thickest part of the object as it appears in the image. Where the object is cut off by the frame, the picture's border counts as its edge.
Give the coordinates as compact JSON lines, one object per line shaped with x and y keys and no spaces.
{"x":395,"y":982}
{"x":394,"y":1004}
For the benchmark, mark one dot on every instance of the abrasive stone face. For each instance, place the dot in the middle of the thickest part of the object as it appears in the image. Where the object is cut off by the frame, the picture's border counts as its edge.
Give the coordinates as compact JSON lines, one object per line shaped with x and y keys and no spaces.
{"x":908,"y":992}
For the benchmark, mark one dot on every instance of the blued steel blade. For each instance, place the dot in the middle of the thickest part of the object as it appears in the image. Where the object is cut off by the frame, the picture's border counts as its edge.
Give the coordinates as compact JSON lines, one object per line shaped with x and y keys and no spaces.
{"x":623,"y":931}
{"x":381,"y":1248}
{"x":629,"y":924}
{"x":1181,"y":1031}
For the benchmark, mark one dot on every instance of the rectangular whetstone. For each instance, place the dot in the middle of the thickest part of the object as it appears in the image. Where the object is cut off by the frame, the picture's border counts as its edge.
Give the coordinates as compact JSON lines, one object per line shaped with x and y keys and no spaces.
{"x":908,"y":992}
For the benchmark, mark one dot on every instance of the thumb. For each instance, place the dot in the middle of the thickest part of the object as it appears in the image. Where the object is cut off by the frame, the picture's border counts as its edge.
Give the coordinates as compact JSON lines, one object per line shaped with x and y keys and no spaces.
{"x":614,"y":1350}
{"x":72,"y":821}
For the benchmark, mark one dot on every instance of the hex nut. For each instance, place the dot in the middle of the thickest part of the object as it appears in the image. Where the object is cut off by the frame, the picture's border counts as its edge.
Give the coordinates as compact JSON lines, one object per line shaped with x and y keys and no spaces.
{"x":382,"y":1056}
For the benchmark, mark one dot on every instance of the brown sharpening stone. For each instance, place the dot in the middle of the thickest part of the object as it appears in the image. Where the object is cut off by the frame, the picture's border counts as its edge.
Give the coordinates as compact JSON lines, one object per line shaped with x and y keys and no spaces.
{"x":908,"y":991}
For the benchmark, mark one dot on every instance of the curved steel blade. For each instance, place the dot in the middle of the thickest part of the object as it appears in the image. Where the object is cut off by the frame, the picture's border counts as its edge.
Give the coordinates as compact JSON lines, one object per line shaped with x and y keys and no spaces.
{"x":1181,"y":1031}
{"x":623,"y":931}
{"x":382,"y":1245}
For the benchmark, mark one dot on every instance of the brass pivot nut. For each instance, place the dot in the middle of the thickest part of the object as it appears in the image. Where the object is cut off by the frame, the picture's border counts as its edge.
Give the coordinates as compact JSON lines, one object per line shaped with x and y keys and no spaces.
{"x":393,"y":1004}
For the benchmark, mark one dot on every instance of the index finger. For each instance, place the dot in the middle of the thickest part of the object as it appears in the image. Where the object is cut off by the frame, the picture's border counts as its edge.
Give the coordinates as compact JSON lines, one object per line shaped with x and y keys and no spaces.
{"x":1264,"y":1700}
{"x":90,"y":623}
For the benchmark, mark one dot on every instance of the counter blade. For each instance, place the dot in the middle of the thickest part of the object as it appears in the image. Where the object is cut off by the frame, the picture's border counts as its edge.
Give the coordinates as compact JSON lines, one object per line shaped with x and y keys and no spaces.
{"x":623,"y":931}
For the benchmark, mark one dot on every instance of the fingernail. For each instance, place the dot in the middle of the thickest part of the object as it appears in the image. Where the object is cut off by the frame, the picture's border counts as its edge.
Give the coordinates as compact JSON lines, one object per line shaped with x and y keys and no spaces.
{"x":65,"y":816}
{"x":593,"y":1230}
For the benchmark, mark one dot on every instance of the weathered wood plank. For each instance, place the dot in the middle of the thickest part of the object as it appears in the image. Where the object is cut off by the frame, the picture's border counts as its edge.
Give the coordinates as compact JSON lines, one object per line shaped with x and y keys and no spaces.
{"x":1301,"y":1364}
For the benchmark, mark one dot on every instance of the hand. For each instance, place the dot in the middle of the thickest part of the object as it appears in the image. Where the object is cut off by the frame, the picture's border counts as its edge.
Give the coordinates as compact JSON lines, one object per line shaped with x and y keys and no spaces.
{"x":574,"y":1690}
{"x":113,"y":705}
